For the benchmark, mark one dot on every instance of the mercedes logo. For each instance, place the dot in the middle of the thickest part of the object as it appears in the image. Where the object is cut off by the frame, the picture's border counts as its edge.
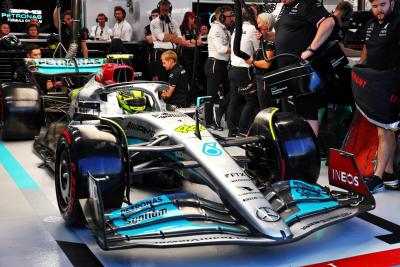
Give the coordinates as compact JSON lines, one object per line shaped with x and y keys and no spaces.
{"x":267,"y":214}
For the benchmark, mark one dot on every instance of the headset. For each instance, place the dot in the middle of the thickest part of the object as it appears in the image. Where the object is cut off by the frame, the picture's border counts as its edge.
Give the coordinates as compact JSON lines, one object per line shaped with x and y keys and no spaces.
{"x":164,"y":2}
{"x":347,"y":16}
{"x":102,"y":15}
{"x":121,"y":9}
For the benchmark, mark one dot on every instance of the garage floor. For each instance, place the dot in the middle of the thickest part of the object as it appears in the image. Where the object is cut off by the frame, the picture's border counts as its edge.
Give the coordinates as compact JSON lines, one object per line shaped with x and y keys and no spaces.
{"x":33,"y":233}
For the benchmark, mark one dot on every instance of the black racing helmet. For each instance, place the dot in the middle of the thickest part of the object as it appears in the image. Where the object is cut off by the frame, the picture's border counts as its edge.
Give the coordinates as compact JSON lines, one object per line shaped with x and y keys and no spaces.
{"x":10,"y":42}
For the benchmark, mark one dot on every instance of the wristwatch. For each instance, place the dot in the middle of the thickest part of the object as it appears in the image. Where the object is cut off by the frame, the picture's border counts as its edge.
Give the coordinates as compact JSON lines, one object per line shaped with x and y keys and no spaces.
{"x":310,"y":49}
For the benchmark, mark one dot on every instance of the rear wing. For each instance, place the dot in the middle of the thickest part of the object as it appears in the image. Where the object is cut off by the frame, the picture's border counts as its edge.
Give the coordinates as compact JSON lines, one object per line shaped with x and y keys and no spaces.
{"x":64,"y":66}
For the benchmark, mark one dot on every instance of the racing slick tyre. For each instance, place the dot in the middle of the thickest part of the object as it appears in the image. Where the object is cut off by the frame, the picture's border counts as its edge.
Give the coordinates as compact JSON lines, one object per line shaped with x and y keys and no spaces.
{"x":88,"y":149}
{"x":20,"y":111}
{"x":290,"y":149}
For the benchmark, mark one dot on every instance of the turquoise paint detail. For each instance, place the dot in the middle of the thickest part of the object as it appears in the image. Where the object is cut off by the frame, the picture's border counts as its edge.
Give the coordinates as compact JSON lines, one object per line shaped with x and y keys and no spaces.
{"x":149,"y":215}
{"x":154,"y":209}
{"x":53,"y":66}
{"x":306,"y":208}
{"x":135,"y":141}
{"x":141,"y":205}
{"x":179,"y":225}
{"x":15,"y":170}
{"x":211,"y":149}
{"x":303,"y":191}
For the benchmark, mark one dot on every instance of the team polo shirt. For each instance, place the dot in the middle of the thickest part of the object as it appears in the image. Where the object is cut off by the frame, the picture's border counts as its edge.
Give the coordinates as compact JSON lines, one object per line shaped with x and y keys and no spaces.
{"x":218,"y":41}
{"x":178,"y":78}
{"x":297,"y":25}
{"x":383,"y":43}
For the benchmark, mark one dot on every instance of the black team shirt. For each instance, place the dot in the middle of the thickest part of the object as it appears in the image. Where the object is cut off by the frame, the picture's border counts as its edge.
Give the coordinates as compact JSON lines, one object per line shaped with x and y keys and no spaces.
{"x":383,"y":43}
{"x":178,"y":78}
{"x":297,"y":25}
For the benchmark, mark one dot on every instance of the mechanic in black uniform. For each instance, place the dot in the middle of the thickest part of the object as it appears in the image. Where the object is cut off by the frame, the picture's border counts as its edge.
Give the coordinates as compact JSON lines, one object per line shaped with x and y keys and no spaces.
{"x":302,"y":27}
{"x":22,"y":74}
{"x":243,"y":103}
{"x":381,"y":52}
{"x":66,"y":32}
{"x":150,"y":46}
{"x":216,"y":67}
{"x":266,"y":22}
{"x":177,"y":94}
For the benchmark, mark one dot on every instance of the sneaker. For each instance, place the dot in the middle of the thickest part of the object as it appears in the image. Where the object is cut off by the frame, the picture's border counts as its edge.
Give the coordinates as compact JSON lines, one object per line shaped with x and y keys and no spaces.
{"x":390,"y":180}
{"x":374,"y":184}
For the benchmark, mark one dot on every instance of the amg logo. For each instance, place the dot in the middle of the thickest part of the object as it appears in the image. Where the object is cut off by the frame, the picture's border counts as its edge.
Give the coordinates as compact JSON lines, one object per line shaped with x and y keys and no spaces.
{"x":169,"y":115}
{"x":345,"y":177}
{"x":148,"y":215}
{"x":358,"y":80}
{"x":142,"y":204}
{"x":140,"y":128}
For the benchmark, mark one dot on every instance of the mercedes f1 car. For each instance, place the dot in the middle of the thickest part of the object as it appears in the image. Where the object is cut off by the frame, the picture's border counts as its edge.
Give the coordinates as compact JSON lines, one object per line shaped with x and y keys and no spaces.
{"x":268,"y":196}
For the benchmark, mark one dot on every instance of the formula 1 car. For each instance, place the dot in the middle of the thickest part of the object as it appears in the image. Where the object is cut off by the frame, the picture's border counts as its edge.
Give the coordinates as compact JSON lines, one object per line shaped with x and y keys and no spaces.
{"x":106,"y":144}
{"x":25,"y":107}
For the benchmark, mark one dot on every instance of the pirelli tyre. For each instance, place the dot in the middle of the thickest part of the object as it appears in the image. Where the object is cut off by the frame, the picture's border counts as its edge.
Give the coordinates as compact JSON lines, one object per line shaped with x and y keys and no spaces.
{"x":290,"y":149}
{"x":85,"y":149}
{"x":20,"y":111}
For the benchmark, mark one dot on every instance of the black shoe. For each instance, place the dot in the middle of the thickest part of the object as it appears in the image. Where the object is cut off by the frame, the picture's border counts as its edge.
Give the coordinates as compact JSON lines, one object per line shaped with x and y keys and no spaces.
{"x":374,"y":184}
{"x":233,"y":133}
{"x":390,"y":181}
{"x":218,"y":116}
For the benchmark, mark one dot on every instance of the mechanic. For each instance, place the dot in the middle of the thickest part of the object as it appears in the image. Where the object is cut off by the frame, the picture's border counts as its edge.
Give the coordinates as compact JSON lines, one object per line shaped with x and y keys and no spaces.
{"x":150,"y":46}
{"x":122,"y":29}
{"x":302,"y":27}
{"x":100,"y":31}
{"x":190,"y":40}
{"x":32,"y":31}
{"x":381,"y":52}
{"x":176,"y":96}
{"x":4,"y":29}
{"x":216,"y":66}
{"x":241,"y":76}
{"x":22,"y":74}
{"x":66,"y":32}
{"x":342,"y":16}
{"x":166,"y":36}
{"x":266,"y":22}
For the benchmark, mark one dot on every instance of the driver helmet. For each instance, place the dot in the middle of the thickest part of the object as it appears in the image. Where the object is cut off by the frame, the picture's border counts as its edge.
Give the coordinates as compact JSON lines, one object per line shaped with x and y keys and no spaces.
{"x":132,"y":101}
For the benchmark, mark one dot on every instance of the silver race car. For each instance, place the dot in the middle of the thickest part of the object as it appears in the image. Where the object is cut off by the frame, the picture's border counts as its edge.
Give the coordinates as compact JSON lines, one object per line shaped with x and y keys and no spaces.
{"x":268,"y":194}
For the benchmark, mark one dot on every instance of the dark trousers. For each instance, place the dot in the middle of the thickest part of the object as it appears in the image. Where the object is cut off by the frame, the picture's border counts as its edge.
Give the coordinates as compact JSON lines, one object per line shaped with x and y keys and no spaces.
{"x":242,"y":109}
{"x":217,"y":74}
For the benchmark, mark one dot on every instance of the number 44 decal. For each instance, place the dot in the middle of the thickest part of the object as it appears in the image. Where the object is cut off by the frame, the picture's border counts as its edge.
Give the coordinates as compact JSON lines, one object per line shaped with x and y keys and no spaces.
{"x":188,"y":128}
